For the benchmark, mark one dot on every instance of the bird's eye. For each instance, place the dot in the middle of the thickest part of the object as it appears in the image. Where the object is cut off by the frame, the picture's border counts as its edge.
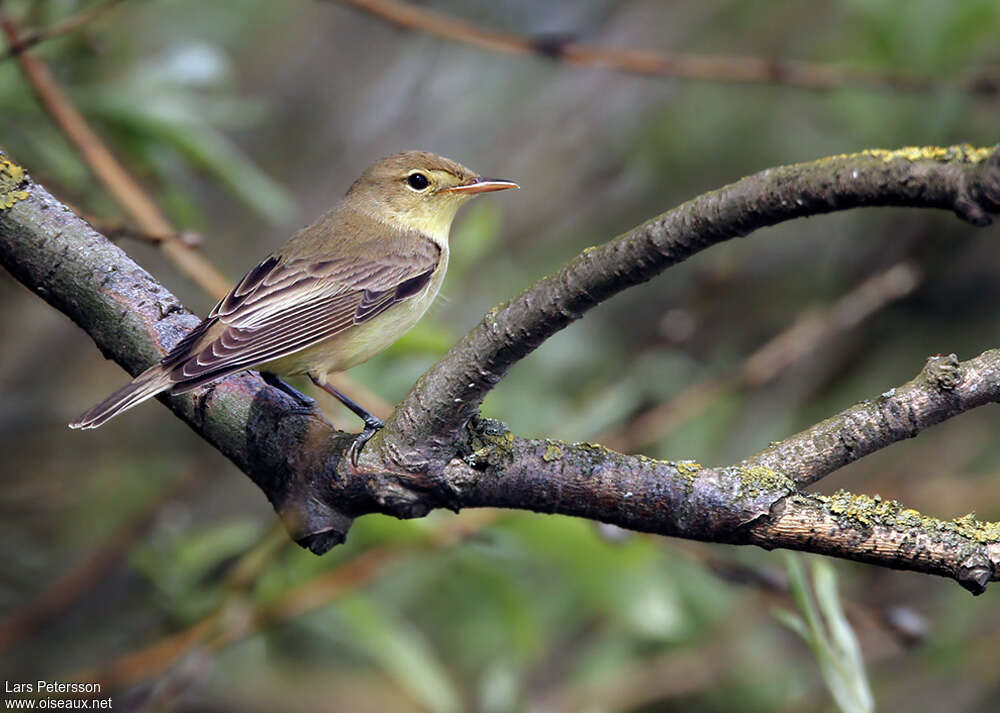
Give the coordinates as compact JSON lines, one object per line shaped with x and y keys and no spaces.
{"x":417,"y":181}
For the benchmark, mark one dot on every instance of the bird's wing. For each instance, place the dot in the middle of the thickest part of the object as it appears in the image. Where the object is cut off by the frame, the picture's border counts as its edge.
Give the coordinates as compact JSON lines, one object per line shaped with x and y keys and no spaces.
{"x":281,"y":307}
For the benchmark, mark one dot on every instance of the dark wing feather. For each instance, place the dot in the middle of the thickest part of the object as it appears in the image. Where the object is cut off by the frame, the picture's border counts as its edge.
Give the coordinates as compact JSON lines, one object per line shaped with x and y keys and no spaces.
{"x":282,"y":307}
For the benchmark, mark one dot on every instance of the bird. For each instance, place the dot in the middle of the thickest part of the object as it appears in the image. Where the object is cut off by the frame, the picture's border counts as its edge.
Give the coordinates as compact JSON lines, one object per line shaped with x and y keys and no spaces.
{"x":336,"y":294}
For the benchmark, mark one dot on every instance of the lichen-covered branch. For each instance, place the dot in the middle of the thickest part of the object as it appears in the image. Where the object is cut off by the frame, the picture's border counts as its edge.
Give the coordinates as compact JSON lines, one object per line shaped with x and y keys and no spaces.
{"x":738,"y":505}
{"x":960,"y":179}
{"x":944,"y":388}
{"x":435,"y":454}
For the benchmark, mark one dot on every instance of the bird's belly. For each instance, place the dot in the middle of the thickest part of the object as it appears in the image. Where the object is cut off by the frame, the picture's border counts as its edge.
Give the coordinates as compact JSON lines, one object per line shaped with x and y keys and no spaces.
{"x":358,"y":343}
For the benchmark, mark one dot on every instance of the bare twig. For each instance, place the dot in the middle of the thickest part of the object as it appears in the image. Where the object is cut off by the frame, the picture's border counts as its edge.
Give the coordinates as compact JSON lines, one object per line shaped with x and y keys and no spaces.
{"x":125,"y":190}
{"x":67,"y":26}
{"x":755,"y":70}
{"x":117,"y":230}
{"x":153,"y":225}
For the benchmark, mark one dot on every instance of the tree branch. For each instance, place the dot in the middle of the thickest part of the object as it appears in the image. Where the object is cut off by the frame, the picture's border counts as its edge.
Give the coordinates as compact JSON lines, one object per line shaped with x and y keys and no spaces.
{"x":960,"y":178}
{"x":944,"y":388}
{"x":434,"y":454}
{"x":813,"y":76}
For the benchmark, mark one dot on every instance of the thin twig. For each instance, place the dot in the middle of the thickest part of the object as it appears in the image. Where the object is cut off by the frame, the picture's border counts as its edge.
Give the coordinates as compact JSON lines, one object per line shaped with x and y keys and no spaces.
{"x":123,"y":188}
{"x":117,"y":230}
{"x":67,"y":26}
{"x":755,"y":70}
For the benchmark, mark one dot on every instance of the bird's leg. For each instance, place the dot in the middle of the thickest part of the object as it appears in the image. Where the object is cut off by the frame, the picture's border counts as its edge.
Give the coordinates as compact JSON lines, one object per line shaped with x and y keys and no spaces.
{"x":272,"y":380}
{"x":372,"y":423}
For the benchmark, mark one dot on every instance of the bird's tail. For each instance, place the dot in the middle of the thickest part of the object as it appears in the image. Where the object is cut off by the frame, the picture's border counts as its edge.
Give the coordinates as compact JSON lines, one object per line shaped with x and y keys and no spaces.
{"x":148,"y":384}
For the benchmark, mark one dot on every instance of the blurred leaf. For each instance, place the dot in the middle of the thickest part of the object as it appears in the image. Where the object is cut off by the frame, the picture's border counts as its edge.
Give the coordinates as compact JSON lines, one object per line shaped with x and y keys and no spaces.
{"x":827,"y":632}
{"x":205,"y":148}
{"x":402,"y":651}
{"x":185,"y":567}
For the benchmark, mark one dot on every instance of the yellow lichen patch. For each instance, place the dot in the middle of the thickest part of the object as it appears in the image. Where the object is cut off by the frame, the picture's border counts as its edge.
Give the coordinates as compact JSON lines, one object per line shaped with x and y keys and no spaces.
{"x":492,"y":446}
{"x":969,"y":526}
{"x":871,"y":511}
{"x":12,"y":177}
{"x":687,"y":468}
{"x":909,"y":517}
{"x":758,"y":479}
{"x":865,"y":510}
{"x":552,"y":452}
{"x":963,"y":153}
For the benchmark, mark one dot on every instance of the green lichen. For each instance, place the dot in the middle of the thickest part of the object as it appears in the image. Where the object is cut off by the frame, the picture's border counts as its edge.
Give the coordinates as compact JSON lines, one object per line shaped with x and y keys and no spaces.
{"x":864,"y":510}
{"x":758,"y":479}
{"x":960,"y":153}
{"x":982,"y":532}
{"x":963,"y":153}
{"x":552,"y":452}
{"x":12,"y":177}
{"x":592,"y":458}
{"x":869,"y":511}
{"x":491,"y":445}
{"x":688,"y":469}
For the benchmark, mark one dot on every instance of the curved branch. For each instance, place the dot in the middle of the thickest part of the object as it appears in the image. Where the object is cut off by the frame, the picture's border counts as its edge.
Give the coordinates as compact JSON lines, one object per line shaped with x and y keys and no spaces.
{"x":960,"y":178}
{"x":433,"y":454}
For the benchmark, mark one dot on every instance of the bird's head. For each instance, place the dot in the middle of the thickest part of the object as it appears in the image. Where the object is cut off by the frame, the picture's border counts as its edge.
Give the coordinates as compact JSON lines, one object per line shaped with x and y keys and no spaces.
{"x":418,"y":190}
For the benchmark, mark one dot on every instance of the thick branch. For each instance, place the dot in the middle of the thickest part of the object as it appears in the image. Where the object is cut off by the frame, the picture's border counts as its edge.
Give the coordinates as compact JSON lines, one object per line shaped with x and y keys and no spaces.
{"x":737,"y":505}
{"x":960,"y":179}
{"x":295,"y":456}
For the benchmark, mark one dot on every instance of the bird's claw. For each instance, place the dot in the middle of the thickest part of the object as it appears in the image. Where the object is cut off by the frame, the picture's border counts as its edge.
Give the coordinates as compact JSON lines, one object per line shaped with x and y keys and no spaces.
{"x":372,"y":426}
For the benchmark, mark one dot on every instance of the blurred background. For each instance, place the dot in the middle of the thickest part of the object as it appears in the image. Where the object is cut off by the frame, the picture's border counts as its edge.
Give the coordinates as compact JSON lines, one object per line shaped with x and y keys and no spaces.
{"x":137,"y":556}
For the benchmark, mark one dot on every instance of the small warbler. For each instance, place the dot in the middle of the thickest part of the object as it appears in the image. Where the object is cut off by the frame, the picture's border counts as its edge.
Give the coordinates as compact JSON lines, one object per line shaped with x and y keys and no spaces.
{"x":338,"y":293}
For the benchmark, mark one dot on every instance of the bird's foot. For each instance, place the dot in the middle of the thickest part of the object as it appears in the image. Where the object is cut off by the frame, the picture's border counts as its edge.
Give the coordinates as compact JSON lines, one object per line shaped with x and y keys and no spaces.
{"x":372,"y":426}
{"x":300,"y":398}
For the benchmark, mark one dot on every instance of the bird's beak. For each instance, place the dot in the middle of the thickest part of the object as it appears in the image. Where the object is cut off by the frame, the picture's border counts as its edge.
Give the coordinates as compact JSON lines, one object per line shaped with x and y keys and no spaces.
{"x":481,"y":185}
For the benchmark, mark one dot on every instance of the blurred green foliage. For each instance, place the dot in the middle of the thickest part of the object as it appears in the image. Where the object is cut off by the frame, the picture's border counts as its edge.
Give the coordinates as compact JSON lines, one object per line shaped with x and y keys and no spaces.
{"x":822,"y":624}
{"x":246,"y":119}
